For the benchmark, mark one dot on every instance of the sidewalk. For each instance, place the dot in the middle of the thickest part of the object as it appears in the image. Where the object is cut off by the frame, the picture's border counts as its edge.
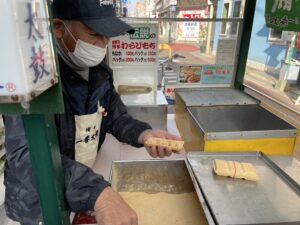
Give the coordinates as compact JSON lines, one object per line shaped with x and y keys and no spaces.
{"x":190,"y":51}
{"x":266,"y":83}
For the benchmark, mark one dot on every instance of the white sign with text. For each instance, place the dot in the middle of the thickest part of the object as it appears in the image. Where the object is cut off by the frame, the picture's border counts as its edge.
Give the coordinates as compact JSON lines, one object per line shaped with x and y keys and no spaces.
{"x":27,"y":58}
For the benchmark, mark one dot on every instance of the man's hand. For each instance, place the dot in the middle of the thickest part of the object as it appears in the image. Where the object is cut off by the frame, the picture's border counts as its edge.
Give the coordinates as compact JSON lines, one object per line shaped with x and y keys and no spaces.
{"x":157,"y":151}
{"x":111,"y":209}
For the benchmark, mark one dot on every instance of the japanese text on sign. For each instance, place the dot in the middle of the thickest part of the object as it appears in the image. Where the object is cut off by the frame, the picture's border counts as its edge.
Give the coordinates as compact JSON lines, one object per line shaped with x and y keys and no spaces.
{"x":135,"y":49}
{"x":192,"y":16}
{"x":282,"y":4}
{"x":142,"y":33}
{"x":283,"y":14}
{"x":38,"y":57}
{"x":117,"y":44}
{"x":216,"y":74}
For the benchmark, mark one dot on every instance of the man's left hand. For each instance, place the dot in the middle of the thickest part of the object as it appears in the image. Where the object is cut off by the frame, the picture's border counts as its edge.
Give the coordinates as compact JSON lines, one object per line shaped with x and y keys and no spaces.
{"x":157,"y":151}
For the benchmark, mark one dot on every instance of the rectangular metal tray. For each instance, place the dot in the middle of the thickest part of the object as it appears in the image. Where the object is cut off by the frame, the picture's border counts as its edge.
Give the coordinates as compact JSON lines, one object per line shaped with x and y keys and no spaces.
{"x":239,"y":122}
{"x":274,"y":199}
{"x":151,"y":176}
{"x":154,"y":176}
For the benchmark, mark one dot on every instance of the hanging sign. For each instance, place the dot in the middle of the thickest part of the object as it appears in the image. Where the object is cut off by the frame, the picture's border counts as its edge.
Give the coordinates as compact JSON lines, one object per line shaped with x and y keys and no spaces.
{"x":283,"y":14}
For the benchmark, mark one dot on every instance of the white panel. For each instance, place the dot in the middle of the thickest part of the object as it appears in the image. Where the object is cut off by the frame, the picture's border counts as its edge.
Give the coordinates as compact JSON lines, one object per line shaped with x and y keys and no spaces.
{"x":27,"y":59}
{"x":133,"y":58}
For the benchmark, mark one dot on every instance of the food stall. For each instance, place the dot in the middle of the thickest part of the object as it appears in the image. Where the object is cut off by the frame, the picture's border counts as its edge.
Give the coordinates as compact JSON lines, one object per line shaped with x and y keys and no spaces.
{"x":217,"y":122}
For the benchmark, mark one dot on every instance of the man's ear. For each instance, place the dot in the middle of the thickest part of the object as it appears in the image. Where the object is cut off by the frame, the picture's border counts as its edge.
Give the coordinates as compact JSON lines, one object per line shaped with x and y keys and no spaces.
{"x":59,"y":28}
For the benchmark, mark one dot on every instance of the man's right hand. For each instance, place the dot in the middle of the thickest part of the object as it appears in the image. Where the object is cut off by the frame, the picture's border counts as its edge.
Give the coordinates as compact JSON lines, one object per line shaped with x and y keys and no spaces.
{"x":111,"y":209}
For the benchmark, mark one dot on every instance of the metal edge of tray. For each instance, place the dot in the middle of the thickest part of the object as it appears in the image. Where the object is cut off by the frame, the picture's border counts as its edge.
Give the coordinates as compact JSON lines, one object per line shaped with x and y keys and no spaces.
{"x":198,"y":125}
{"x":147,"y":106}
{"x":272,"y":165}
{"x":235,"y":135}
{"x":139,"y":160}
{"x":250,"y":134}
{"x":201,"y":196}
{"x":158,"y":100}
{"x":283,"y":175}
{"x":227,"y":153}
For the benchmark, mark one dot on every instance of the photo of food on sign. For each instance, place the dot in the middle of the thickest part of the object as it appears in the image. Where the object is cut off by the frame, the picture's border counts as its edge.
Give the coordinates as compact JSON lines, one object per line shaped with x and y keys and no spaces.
{"x":190,"y":74}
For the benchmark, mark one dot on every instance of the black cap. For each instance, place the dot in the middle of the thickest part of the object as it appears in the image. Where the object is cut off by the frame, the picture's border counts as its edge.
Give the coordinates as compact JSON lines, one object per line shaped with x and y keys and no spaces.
{"x":98,"y":15}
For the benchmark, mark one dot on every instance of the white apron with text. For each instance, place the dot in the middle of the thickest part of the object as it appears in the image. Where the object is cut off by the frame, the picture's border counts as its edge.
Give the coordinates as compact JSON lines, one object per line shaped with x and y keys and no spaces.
{"x":87,"y":136}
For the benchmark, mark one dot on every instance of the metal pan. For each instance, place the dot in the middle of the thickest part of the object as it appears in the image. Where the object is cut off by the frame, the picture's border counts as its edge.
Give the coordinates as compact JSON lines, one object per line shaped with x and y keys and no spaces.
{"x":274,"y":199}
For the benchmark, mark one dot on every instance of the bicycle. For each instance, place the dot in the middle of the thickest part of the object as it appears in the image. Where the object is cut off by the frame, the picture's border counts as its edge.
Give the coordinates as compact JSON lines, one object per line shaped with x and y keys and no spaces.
{"x":166,"y":64}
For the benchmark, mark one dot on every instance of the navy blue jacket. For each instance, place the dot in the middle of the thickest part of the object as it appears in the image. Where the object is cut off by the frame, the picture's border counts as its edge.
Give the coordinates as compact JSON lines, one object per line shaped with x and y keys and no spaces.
{"x":82,"y":185}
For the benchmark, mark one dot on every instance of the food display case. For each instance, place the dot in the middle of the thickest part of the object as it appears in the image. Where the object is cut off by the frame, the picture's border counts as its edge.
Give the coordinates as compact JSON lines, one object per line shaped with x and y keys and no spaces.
{"x":224,"y":119}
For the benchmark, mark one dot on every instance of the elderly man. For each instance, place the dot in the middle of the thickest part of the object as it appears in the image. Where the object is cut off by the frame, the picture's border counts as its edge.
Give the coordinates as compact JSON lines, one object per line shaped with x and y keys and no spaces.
{"x":92,"y":109}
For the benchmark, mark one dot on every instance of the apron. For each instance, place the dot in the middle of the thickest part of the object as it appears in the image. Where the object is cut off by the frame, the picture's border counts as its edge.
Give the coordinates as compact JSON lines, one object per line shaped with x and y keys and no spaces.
{"x":87,"y":136}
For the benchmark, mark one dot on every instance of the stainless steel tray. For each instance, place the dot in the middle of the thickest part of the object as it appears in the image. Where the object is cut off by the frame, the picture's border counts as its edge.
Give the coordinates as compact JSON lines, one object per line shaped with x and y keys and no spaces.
{"x":151,"y":176}
{"x":239,"y":122}
{"x":274,"y":199}
{"x":214,"y":97}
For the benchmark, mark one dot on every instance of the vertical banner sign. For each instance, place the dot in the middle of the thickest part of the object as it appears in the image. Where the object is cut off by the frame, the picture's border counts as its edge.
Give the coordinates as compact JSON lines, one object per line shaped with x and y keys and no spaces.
{"x":138,"y":49}
{"x":283,"y":14}
{"x":27,"y":58}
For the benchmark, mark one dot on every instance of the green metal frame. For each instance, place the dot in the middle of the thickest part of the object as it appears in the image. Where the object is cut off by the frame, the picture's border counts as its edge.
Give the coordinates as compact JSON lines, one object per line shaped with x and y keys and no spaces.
{"x":44,"y":150}
{"x":46,"y":166}
{"x":249,"y":12}
{"x":49,"y":102}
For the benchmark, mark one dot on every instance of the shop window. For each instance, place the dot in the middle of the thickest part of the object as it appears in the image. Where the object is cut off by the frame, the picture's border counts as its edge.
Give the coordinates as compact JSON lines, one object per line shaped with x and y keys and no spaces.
{"x":276,"y":35}
{"x":235,"y":14}
{"x":225,"y":16}
{"x":231,"y":9}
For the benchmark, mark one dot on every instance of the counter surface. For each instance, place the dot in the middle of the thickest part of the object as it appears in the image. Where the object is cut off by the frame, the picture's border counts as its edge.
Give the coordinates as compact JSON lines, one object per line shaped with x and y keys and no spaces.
{"x":214,"y":96}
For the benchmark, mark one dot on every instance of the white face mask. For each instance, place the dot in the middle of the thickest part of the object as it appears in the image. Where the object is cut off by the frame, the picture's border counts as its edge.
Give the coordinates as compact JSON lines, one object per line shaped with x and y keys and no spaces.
{"x":85,"y":54}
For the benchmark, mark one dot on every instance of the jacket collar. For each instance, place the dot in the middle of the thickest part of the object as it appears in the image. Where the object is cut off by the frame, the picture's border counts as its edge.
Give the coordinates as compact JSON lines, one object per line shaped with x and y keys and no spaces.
{"x":83,"y":95}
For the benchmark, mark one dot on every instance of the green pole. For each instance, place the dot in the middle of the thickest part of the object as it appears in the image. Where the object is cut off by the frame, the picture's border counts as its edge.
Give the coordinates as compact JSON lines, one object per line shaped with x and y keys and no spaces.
{"x":245,"y":42}
{"x":46,"y":166}
{"x":44,"y":151}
